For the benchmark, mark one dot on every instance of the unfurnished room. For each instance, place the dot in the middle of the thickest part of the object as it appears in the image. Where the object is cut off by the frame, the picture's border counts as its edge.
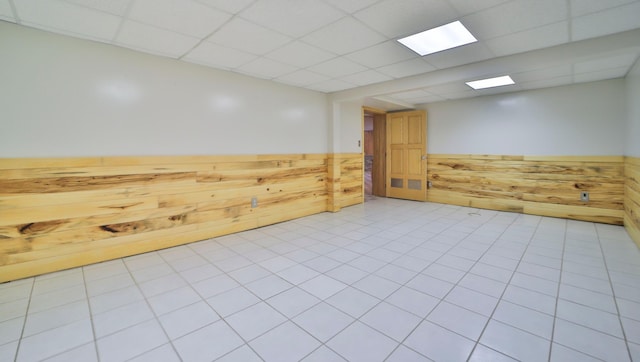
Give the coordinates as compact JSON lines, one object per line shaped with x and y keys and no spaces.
{"x":319,"y":180}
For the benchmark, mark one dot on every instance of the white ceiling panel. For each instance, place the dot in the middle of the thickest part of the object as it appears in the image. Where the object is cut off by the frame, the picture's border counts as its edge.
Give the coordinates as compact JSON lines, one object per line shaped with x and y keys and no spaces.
{"x":300,"y":54}
{"x":332,"y":85}
{"x":351,"y":5}
{"x":230,"y":6}
{"x":389,"y":52}
{"x":337,"y":67}
{"x":515,"y":16}
{"x":251,"y":38}
{"x":448,"y":88}
{"x":565,"y":70}
{"x":67,"y":18}
{"x":266,"y":68}
{"x":154,"y":40}
{"x":302,"y":78}
{"x":218,"y":56}
{"x":406,"y":68}
{"x":344,"y":36}
{"x":413,"y":16}
{"x":537,"y":38}
{"x":412,"y":94}
{"x":584,"y":7}
{"x":610,"y":21}
{"x":182,"y":16}
{"x":547,"y":82}
{"x":116,"y":7}
{"x":624,"y":60}
{"x":295,"y":18}
{"x":466,"y":7}
{"x":465,"y":54}
{"x":600,"y":75}
{"x":366,"y":77}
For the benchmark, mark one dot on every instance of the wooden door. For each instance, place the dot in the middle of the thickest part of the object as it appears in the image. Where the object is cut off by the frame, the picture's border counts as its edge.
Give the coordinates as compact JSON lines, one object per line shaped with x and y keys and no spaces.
{"x":379,"y":169}
{"x":407,"y":155}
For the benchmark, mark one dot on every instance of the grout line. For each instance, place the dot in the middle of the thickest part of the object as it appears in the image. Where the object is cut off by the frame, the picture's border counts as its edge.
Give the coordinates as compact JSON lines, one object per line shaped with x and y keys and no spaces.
{"x":555,"y":309}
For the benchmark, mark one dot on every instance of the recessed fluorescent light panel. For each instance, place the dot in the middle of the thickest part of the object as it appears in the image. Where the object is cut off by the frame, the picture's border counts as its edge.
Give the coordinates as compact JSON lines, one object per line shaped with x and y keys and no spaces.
{"x":491,"y":82}
{"x":438,"y":39}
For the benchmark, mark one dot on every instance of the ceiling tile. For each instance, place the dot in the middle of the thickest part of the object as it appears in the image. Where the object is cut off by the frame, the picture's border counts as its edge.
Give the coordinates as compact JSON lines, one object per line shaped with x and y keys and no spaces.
{"x":218,"y":56}
{"x":403,"y":96}
{"x":251,"y":38}
{"x":465,"y":54}
{"x":611,"y":21}
{"x":537,"y":38}
{"x":266,"y":68}
{"x":154,"y":40}
{"x":584,"y":7}
{"x":230,"y":6}
{"x":389,"y":52}
{"x":337,"y":67}
{"x":428,"y":99}
{"x":466,"y":7}
{"x":346,"y":35}
{"x":515,"y":16}
{"x":67,"y":18}
{"x":295,"y":18}
{"x":623,"y":60}
{"x":5,"y":11}
{"x":183,"y":16}
{"x":416,"y":15}
{"x":545,"y":73}
{"x":300,"y":54}
{"x":351,"y":6}
{"x":332,"y":85}
{"x":448,"y":88}
{"x":302,"y":78}
{"x":367,"y":77}
{"x":600,"y":75}
{"x":406,"y":68}
{"x":116,"y":7}
{"x":546,"y":82}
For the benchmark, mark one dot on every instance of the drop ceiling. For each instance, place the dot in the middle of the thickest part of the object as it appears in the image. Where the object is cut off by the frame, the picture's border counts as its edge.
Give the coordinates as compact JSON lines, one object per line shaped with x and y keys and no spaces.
{"x":350,"y":47}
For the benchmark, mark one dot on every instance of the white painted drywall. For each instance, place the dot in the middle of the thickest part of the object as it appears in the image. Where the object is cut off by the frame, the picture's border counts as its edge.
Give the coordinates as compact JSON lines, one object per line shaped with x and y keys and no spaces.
{"x":351,"y":118}
{"x":582,"y":119}
{"x":632,"y":144}
{"x":61,"y":96}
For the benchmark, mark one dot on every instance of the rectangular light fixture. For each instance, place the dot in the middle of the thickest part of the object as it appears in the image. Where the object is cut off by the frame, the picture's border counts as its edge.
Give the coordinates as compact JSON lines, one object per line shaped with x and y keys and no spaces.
{"x":491,"y":82}
{"x":438,"y":39}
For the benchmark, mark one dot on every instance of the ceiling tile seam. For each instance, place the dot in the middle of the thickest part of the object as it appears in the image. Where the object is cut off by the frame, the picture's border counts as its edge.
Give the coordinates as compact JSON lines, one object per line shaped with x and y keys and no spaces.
{"x":569,"y":20}
{"x":206,"y":4}
{"x":123,"y":19}
{"x":204,"y":39}
{"x":14,"y":10}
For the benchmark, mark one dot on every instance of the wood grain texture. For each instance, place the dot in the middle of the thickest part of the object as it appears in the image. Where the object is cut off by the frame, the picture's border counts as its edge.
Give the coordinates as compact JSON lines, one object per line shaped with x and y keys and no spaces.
{"x":62,"y":213}
{"x":548,"y":186}
{"x":632,"y":198}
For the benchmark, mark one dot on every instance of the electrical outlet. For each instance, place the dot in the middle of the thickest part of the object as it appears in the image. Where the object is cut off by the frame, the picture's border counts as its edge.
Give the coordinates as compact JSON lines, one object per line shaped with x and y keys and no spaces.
{"x":584,"y":196}
{"x":429,"y":184}
{"x":254,"y":202}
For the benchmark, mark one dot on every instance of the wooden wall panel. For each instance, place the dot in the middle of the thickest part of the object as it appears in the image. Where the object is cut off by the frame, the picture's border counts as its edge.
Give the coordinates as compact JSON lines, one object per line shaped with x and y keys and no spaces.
{"x":62,"y":213}
{"x":548,"y":186}
{"x":632,"y":198}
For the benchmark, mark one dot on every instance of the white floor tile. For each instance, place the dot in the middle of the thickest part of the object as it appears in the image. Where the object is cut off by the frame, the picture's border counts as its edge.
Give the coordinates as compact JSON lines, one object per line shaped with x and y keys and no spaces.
{"x":268,"y":286}
{"x":485,"y":354}
{"x":213,"y":286}
{"x":589,"y":317}
{"x":232,"y":301}
{"x":353,"y":301}
{"x":199,"y":273}
{"x":443,"y":272}
{"x":293,"y":302}
{"x":175,"y":299}
{"x":297,"y":274}
{"x":162,"y":285}
{"x":390,"y":320}
{"x":120,"y":318}
{"x":347,"y":274}
{"x":590,"y":341}
{"x":322,"y":264}
{"x":428,"y":339}
{"x":109,"y":284}
{"x":359,"y":342}
{"x":323,"y":354}
{"x":560,"y":353}
{"x":524,"y":318}
{"x":55,"y":341}
{"x":323,"y":321}
{"x":117,"y":298}
{"x":459,"y":320}
{"x":429,"y":285}
{"x":55,"y":317}
{"x":249,"y":273}
{"x":631,"y":329}
{"x":244,"y":354}
{"x":255,"y":320}
{"x":514,"y":342}
{"x":404,"y":354}
{"x":131,"y":342}
{"x":472,"y":300}
{"x":536,"y":284}
{"x":413,"y":301}
{"x":530,"y":299}
{"x":57,"y":298}
{"x":287,"y":342}
{"x":13,"y":309}
{"x":8,"y":351}
{"x":186,"y":320}
{"x":604,"y":302}
{"x":86,"y":352}
{"x":11,"y":330}
{"x":197,"y":346}
{"x":322,"y":286}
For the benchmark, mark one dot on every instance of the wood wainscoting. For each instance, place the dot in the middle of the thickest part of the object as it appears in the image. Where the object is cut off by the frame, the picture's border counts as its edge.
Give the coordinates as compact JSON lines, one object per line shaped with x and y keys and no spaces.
{"x":547,"y":186}
{"x":61,"y":213}
{"x":632,"y":198}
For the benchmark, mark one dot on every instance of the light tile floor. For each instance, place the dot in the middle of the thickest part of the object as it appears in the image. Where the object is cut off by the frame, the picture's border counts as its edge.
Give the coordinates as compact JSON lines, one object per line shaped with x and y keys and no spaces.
{"x":389,"y":280}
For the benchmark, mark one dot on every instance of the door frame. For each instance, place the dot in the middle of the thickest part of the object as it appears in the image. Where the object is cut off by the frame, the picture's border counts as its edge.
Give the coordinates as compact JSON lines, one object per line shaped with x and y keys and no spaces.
{"x":380,"y":120}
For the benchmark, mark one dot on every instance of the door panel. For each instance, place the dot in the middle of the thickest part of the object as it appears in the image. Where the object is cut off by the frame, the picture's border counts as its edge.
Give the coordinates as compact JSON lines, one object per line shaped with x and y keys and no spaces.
{"x":406,"y":155}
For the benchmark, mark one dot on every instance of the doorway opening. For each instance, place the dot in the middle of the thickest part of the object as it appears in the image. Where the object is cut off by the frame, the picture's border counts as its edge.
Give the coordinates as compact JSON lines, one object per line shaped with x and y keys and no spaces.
{"x":374,"y":129}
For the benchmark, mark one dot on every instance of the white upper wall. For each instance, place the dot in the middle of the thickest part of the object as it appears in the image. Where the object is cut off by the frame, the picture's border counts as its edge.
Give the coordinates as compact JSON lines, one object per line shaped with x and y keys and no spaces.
{"x":633,"y":106}
{"x":582,"y":119}
{"x":61,"y":96}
